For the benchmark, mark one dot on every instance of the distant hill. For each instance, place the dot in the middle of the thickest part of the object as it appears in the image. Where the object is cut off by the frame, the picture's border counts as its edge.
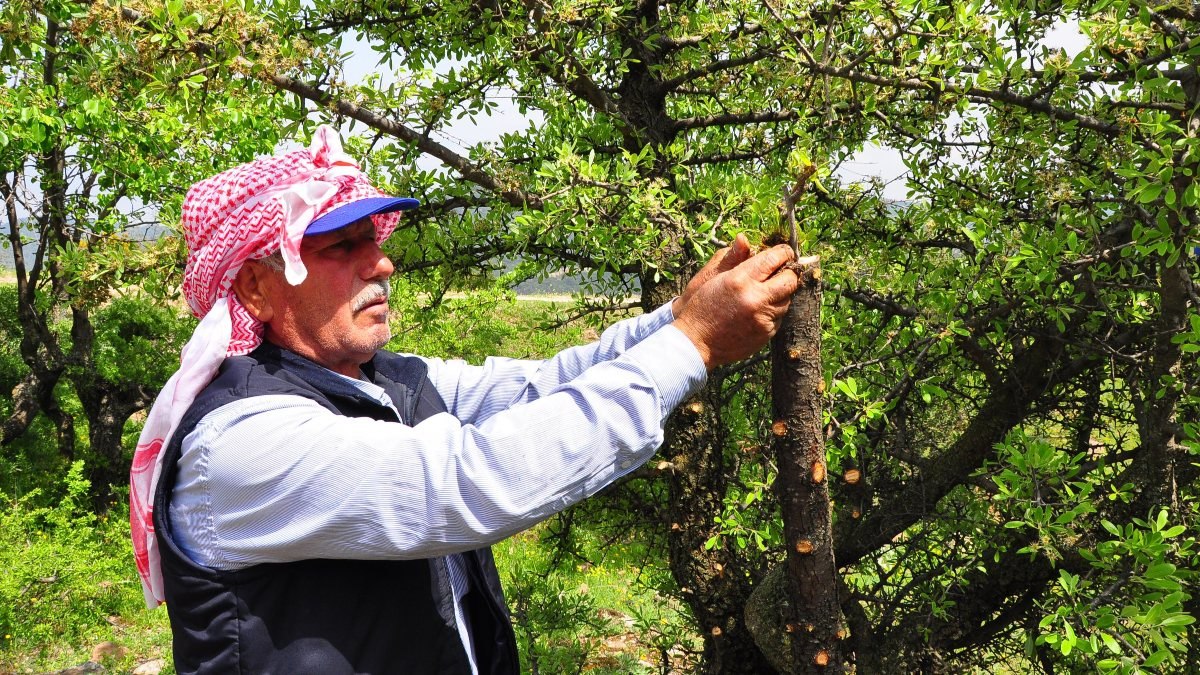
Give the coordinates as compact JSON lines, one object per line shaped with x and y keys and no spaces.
{"x":558,"y":283}
{"x":7,"y":263}
{"x":555,"y":284}
{"x":141,"y":233}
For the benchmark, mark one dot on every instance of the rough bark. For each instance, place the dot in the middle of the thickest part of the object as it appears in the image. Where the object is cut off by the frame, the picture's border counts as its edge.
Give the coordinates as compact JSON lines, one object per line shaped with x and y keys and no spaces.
{"x":1157,"y":424}
{"x":802,"y":487}
{"x":108,"y":407}
{"x":39,"y":346}
{"x":714,"y":582}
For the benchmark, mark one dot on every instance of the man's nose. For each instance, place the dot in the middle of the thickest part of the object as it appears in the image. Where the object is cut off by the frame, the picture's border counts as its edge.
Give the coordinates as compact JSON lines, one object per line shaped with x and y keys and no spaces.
{"x":379,"y":265}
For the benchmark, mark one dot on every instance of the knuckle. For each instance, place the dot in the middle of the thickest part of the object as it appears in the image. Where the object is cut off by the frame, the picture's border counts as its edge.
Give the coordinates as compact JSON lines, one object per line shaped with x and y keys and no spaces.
{"x":739,"y":283}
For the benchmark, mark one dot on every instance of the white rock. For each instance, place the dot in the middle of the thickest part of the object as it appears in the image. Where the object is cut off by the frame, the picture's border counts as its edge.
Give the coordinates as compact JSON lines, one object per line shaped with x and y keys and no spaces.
{"x":153,"y":667}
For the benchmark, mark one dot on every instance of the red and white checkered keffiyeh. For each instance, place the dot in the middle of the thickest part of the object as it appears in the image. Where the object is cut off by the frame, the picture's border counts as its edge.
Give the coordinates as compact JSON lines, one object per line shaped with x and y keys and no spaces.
{"x":245,"y":213}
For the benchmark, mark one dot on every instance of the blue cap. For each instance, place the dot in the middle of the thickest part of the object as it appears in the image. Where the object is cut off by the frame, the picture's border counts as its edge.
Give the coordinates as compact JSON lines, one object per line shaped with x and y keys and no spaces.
{"x":346,"y":214}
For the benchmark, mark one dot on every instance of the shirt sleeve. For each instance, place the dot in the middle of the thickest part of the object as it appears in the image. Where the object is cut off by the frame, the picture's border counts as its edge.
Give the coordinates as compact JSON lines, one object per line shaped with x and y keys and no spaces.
{"x":278,"y":478}
{"x":474,"y":393}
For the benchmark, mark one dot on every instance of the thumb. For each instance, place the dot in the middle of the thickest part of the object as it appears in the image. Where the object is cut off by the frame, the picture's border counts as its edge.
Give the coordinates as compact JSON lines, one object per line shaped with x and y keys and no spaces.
{"x":766,"y":263}
{"x":723,"y":260}
{"x":738,"y":252}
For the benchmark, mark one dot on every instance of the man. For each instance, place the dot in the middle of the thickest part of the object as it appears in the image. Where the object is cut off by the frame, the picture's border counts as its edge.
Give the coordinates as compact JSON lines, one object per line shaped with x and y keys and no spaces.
{"x":307,"y":503}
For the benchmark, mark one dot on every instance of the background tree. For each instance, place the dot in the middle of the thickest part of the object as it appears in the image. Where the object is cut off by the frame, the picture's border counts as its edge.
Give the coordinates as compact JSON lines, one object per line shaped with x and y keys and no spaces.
{"x":103,"y":125}
{"x":1033,"y":308}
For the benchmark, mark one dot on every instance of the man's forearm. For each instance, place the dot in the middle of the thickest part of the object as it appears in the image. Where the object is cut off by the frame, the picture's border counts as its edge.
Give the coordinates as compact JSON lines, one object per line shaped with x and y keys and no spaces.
{"x":474,"y":393}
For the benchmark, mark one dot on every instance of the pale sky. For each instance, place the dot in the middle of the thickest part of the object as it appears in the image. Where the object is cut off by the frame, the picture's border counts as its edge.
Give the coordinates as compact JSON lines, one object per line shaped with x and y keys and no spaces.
{"x":873,"y":160}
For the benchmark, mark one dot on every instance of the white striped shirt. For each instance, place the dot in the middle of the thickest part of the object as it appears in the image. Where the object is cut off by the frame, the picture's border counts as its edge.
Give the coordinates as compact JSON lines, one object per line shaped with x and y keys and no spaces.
{"x":279,"y":478}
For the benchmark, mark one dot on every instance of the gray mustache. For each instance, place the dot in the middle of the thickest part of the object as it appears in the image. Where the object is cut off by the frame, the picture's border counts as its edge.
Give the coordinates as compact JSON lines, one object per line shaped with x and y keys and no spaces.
{"x":377,"y":290}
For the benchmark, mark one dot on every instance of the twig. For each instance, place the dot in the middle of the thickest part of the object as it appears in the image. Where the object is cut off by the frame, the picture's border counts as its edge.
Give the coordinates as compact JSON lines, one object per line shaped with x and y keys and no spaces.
{"x":787,"y":209}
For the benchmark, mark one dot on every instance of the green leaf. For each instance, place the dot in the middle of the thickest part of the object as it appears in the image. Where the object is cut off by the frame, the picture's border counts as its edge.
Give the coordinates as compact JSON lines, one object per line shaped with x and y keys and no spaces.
{"x":1178,"y":529}
{"x":1156,"y":658}
{"x":1150,"y":193}
{"x":1159,"y":570}
{"x":1111,"y":643}
{"x":1163,"y":584}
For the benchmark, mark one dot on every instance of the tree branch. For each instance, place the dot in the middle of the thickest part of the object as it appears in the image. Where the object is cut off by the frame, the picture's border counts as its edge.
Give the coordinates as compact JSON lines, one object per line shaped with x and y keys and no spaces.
{"x":714,"y":67}
{"x":765,"y":117}
{"x":466,"y":169}
{"x":1110,"y":129}
{"x":884,"y":303}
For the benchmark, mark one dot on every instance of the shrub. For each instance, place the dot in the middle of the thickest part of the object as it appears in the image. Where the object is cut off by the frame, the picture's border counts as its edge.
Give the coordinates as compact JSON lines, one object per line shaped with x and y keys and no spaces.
{"x":66,"y":571}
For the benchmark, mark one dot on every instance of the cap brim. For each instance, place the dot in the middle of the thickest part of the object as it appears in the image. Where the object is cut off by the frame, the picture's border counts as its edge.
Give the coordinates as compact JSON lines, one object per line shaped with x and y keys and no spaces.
{"x":357,"y":210}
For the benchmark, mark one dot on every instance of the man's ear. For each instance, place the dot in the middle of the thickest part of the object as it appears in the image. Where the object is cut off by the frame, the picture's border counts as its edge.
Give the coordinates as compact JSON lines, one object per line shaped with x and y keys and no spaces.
{"x":252,"y":288}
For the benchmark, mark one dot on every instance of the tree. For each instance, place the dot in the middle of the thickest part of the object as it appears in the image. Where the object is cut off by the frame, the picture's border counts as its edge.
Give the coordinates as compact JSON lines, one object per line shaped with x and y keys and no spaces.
{"x":1032,"y":315}
{"x":102,"y":128}
{"x":1008,"y":373}
{"x":1011,"y":400}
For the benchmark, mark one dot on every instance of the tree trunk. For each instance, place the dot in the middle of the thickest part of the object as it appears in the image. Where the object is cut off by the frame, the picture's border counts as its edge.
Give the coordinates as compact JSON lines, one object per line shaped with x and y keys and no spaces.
{"x":714,"y":582}
{"x":797,"y":384}
{"x":108,"y":407}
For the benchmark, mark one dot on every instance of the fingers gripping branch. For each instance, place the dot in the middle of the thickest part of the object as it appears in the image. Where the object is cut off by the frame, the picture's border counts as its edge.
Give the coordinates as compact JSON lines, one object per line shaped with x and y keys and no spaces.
{"x":730,"y":311}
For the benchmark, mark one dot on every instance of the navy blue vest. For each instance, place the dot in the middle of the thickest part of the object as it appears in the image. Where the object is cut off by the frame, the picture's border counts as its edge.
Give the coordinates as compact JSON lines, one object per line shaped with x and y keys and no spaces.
{"x":326,"y":616}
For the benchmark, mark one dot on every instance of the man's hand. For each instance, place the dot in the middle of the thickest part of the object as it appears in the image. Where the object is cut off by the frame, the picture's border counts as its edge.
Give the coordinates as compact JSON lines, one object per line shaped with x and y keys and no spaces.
{"x":723,"y":260}
{"x":735,"y":304}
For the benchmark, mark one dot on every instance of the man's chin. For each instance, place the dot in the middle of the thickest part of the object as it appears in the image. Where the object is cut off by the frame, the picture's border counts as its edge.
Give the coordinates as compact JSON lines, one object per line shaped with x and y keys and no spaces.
{"x":379,"y":338}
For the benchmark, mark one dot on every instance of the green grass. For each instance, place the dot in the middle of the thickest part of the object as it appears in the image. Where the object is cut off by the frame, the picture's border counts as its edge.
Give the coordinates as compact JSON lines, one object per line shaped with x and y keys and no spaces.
{"x":68,"y":585}
{"x":484,"y":324}
{"x":599,"y":613}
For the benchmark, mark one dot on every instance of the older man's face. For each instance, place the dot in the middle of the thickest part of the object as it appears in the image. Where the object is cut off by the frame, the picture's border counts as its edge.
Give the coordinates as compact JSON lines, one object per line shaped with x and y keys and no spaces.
{"x":338,"y":316}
